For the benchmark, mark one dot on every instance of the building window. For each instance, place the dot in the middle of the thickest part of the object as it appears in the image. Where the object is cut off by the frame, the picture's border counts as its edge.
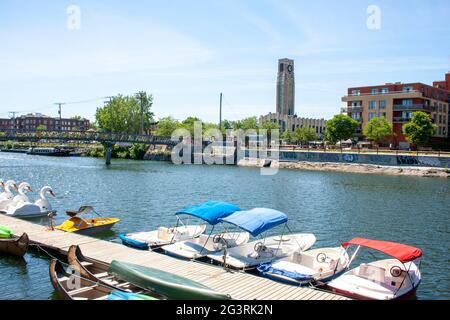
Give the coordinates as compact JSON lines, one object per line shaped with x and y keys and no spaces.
{"x":356,"y":104}
{"x":407,"y":102}
{"x":356,"y":92}
{"x":383,"y":114}
{"x":407,"y":115}
{"x":383,"y":104}
{"x":372,"y":105}
{"x":374,"y":91}
{"x":384,"y":90}
{"x":372,"y":115}
{"x":407,"y":89}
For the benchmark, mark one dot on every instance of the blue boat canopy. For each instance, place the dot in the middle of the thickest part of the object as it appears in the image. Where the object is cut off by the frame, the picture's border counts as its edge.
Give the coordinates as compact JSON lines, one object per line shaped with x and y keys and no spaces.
{"x":211,"y":211}
{"x":257,"y":220}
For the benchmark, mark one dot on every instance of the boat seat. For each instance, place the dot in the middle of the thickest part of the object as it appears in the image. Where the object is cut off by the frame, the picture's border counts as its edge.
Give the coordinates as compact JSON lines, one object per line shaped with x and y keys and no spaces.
{"x":86,"y":264}
{"x":123,"y":284}
{"x":101,"y":275}
{"x":81,"y":290}
{"x":102,"y":298}
{"x":373,"y":273}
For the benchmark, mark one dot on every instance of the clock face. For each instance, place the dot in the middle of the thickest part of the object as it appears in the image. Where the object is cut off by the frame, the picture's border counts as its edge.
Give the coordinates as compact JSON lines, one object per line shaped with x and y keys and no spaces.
{"x":290,"y":68}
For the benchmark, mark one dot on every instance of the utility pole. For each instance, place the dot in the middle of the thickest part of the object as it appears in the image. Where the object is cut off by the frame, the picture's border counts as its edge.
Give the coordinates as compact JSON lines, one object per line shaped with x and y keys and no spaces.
{"x":220,"y":116}
{"x":60,"y":104}
{"x":14,"y":119}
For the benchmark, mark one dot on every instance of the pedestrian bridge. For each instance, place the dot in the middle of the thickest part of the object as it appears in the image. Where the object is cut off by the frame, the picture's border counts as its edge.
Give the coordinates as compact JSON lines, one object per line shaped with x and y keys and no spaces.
{"x":83,"y":136}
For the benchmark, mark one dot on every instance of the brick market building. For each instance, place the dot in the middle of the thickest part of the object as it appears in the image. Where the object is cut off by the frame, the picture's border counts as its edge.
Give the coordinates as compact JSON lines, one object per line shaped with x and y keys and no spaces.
{"x":34,"y":121}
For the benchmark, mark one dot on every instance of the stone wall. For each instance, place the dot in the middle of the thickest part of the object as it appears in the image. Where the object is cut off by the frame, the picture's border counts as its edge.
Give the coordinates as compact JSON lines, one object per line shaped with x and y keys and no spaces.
{"x":386,"y":160}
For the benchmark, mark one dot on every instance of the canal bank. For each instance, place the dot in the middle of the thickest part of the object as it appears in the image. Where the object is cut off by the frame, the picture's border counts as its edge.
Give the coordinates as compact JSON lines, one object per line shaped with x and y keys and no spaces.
{"x":350,"y":168}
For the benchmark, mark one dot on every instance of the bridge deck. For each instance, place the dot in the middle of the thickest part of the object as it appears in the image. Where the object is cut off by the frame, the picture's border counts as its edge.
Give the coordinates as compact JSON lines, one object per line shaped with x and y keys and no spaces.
{"x":238,"y":285}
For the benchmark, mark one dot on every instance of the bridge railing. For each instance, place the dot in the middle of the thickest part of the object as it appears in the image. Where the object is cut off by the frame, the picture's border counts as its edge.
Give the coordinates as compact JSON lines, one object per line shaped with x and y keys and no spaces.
{"x":84,"y":136}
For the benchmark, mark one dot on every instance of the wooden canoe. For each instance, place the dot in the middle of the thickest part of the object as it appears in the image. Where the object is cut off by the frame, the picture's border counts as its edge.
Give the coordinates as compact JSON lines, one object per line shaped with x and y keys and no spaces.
{"x":16,"y":246}
{"x":97,"y":271}
{"x":71,"y":287}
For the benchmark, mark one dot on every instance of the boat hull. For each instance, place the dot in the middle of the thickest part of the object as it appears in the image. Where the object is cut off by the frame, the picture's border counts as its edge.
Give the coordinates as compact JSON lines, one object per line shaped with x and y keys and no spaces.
{"x":16,"y":246}
{"x":375,"y":281}
{"x":87,"y":227}
{"x":32,"y":216}
{"x":406,"y":296}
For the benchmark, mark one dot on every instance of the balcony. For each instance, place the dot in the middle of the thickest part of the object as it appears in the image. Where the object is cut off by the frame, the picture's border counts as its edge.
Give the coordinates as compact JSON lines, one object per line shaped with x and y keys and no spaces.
{"x":352,"y":109}
{"x":392,"y":94}
{"x":400,"y":119}
{"x":402,"y":107}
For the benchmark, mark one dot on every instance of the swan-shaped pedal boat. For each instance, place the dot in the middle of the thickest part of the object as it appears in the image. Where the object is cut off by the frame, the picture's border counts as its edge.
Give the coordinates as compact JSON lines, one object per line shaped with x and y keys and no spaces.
{"x":7,"y":194}
{"x":86,"y":226}
{"x":40,"y":208}
{"x":6,"y":205}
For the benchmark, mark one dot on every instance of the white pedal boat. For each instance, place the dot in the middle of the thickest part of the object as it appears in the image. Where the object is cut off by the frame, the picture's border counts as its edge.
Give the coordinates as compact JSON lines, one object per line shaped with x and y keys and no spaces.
{"x":162,"y":236}
{"x":315,"y":266}
{"x":211,"y":212}
{"x":252,"y":254}
{"x":388,"y":279}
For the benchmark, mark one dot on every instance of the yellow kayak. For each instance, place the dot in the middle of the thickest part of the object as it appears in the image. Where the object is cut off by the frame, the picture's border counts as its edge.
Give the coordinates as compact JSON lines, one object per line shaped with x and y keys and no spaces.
{"x":87,"y":226}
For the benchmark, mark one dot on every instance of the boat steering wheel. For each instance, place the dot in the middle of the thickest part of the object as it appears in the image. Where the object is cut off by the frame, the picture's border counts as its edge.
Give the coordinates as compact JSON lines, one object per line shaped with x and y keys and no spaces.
{"x":218,"y":238}
{"x":396,"y":271}
{"x":321,"y":257}
{"x":259,"y":246}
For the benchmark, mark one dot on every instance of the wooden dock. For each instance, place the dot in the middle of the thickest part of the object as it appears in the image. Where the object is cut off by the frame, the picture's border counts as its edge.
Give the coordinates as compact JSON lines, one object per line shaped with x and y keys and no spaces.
{"x":239,"y":285}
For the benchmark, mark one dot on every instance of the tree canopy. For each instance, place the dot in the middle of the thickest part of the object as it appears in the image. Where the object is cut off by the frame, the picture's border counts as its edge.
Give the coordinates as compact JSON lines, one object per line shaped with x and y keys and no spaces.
{"x":340,"y":127}
{"x":123,"y":114}
{"x":378,"y":130}
{"x":420,"y":129}
{"x":304,"y":135}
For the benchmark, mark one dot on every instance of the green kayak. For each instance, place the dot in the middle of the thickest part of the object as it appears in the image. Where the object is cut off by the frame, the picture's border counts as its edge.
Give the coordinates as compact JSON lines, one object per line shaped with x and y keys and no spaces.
{"x":5,"y":233}
{"x":164,"y":283}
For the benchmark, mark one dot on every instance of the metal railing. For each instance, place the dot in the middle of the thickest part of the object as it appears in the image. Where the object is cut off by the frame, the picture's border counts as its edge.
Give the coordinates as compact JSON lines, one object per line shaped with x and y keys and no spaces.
{"x":82,"y":136}
{"x":399,"y":107}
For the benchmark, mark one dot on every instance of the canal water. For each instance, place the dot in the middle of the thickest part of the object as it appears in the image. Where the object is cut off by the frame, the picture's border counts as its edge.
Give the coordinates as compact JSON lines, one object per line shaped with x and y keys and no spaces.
{"x":333,"y":206}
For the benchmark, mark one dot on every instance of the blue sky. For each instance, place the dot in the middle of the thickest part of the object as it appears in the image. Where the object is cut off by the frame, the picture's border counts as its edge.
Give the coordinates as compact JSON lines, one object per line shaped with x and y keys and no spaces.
{"x":187,"y":52}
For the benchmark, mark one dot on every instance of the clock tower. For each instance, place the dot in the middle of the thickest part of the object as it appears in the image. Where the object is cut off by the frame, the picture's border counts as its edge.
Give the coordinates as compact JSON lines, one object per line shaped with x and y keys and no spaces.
{"x":286,"y":87}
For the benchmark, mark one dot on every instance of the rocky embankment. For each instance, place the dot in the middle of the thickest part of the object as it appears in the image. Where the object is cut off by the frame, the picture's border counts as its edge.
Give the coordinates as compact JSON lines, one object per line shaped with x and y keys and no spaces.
{"x":352,"y":168}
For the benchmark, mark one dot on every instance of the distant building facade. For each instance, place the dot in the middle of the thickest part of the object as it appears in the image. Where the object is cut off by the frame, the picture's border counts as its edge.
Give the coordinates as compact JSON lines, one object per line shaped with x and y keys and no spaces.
{"x":285,"y":115}
{"x":285,"y":101}
{"x":397,"y":102}
{"x":291,"y":123}
{"x":34,"y":121}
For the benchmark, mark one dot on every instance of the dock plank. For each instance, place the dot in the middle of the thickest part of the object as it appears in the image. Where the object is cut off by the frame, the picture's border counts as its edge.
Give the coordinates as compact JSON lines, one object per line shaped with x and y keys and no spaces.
{"x":237,"y":284}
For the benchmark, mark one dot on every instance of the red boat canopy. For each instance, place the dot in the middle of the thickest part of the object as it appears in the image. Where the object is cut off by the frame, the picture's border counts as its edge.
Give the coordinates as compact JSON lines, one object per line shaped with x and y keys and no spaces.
{"x":399,"y":251}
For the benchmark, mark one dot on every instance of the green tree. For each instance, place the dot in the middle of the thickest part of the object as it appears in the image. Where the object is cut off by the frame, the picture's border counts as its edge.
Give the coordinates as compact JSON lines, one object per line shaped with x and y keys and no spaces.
{"x":166,"y":126}
{"x":340,"y":127}
{"x":41,"y":127}
{"x":123,"y":114}
{"x":420,"y":129}
{"x":378,"y":130}
{"x":246,"y":124}
{"x":286,"y":136}
{"x":269,"y":125}
{"x":304,"y":135}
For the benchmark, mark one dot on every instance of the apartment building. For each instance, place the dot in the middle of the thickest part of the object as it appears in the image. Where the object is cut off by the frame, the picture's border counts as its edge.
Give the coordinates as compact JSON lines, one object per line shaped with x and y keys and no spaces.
{"x":398,"y":101}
